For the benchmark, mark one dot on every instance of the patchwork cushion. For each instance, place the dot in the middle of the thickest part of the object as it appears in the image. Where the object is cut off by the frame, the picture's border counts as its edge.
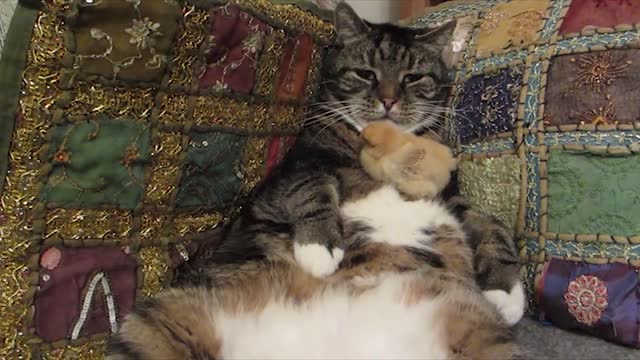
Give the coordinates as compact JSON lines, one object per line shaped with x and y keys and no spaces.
{"x":130,"y":130}
{"x":547,"y":124}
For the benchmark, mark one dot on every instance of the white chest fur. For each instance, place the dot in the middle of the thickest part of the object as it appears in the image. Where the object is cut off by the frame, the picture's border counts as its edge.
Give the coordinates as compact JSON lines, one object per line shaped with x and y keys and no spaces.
{"x":397,"y":221}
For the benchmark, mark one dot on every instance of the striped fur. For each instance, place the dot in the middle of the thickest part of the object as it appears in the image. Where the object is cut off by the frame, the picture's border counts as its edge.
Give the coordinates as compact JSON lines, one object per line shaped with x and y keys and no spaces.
{"x":300,"y":205}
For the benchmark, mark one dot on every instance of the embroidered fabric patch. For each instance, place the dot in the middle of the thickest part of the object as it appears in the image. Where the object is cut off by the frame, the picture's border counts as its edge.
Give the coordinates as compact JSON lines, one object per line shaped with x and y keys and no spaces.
{"x":489,"y":103}
{"x":600,"y":13}
{"x":492,"y":186}
{"x":599,"y":298}
{"x":593,"y":194}
{"x":83,"y":291}
{"x":212,"y":175}
{"x":512,"y":24}
{"x":234,"y":45}
{"x":296,"y":58}
{"x":598,"y":88}
{"x":97,"y":163}
{"x":134,"y":45}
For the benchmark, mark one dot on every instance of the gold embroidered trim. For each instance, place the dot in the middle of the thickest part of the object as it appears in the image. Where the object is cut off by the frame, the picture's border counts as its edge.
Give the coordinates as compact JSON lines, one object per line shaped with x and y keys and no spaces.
{"x":90,"y":101}
{"x":153,"y":264}
{"x":269,"y":63}
{"x":93,"y":350}
{"x":165,"y":170}
{"x":88,"y":224}
{"x":18,"y":212}
{"x":189,"y":223}
{"x":253,"y":159}
{"x":152,"y":226}
{"x":186,"y":48}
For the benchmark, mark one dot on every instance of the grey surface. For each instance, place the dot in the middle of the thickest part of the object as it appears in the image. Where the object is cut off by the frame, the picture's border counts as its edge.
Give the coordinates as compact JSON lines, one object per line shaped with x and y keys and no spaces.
{"x":548,"y":342}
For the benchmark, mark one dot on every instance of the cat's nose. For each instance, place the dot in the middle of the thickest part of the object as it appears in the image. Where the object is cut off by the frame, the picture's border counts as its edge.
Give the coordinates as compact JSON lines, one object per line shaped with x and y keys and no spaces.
{"x":388,"y":103}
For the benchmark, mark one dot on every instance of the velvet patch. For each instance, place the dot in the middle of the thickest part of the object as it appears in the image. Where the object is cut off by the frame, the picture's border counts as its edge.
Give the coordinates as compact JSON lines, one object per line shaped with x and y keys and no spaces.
{"x":602,"y":299}
{"x":512,"y":24}
{"x":83,"y":291}
{"x":593,"y":194}
{"x":235,"y":43}
{"x":594,"y":88}
{"x":97,"y":163}
{"x":212,"y":174}
{"x":600,"y":13}
{"x":489,"y":104}
{"x":124,"y":39}
{"x":492,"y":186}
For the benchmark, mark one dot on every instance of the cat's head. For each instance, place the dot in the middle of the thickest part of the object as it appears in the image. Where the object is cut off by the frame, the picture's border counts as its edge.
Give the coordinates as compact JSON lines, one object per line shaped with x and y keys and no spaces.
{"x":383,"y":71}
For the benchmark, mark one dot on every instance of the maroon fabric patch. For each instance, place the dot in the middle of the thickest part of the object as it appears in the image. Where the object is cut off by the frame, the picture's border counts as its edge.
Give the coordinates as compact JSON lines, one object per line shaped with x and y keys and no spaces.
{"x":600,"y":13}
{"x":235,"y":43}
{"x":294,"y":67}
{"x":278,"y":148}
{"x":64,"y":288}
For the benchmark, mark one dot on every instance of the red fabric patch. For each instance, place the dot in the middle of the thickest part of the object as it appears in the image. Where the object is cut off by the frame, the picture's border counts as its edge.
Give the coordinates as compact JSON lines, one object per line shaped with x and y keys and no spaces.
{"x":236,"y":40}
{"x":600,"y":13}
{"x":294,"y":67}
{"x":62,"y":291}
{"x":278,"y":148}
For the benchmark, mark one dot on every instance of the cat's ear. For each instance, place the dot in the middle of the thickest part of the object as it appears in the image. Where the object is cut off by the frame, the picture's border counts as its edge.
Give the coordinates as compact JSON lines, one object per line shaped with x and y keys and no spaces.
{"x":349,"y":26}
{"x":450,"y":39}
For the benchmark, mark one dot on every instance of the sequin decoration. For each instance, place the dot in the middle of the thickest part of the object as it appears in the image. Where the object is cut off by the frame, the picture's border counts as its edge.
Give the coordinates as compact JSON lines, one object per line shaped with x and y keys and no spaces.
{"x":493,"y":186}
{"x":489,"y":103}
{"x":153,"y":261}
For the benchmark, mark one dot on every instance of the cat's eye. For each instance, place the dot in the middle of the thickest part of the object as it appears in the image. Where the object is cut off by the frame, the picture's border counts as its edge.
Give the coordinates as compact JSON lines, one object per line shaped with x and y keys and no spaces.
{"x":411,"y":78}
{"x":365,"y":74}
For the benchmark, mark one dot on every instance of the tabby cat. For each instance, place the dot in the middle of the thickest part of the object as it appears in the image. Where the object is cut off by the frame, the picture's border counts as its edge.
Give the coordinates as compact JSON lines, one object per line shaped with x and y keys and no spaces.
{"x":328,"y":262}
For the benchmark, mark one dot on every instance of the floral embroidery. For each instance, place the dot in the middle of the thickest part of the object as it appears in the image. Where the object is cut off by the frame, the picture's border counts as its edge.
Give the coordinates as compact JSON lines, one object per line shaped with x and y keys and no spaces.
{"x":600,"y":70}
{"x":61,"y":156}
{"x":143,"y":33}
{"x":586,"y":299}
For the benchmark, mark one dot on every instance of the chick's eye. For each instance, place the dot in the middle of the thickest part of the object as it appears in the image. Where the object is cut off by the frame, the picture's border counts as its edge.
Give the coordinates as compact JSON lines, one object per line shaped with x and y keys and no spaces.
{"x":366,"y":74}
{"x":410,"y":78}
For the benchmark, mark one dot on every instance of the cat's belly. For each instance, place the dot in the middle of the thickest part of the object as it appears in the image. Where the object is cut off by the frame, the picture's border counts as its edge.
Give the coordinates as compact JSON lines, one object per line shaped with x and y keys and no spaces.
{"x":397,"y":221}
{"x":335,"y":325}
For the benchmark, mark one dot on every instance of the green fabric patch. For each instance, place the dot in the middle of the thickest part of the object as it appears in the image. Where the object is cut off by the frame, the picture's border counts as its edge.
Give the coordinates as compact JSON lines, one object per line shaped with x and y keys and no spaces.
{"x":14,"y":56}
{"x":97,"y":163}
{"x":492,"y":186}
{"x":593,"y":194}
{"x":212,"y":176}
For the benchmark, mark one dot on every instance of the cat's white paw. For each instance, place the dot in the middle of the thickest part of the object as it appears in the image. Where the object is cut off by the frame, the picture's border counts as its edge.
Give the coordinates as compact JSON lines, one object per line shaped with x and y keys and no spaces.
{"x":316,"y":259}
{"x":510,"y":304}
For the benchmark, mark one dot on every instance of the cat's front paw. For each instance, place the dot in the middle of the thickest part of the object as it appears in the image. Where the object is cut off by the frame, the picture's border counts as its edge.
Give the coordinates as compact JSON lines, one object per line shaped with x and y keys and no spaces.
{"x":511,"y":304}
{"x":316,"y":259}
